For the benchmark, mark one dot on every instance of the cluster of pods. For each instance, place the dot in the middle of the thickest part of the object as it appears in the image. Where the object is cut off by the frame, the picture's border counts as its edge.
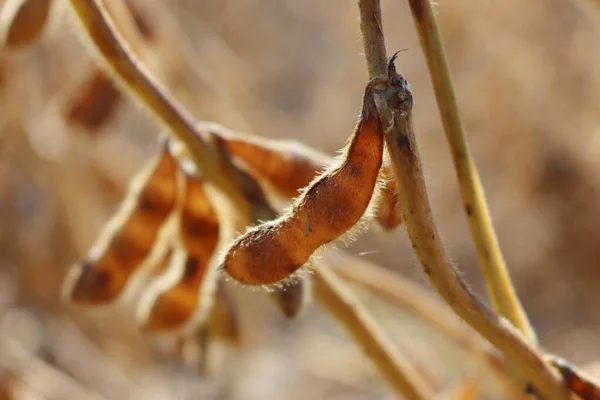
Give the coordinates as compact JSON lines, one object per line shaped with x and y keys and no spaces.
{"x":169,"y":227}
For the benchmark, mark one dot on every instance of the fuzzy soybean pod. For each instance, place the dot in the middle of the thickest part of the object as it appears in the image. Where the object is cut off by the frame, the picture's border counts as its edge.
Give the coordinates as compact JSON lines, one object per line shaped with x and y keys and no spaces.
{"x":329,"y":207}
{"x":289,"y":166}
{"x":183,"y":292}
{"x":128,"y":239}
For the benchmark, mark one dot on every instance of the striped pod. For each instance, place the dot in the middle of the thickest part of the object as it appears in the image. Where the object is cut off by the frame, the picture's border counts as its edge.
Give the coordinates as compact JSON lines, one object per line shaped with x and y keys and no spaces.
{"x":182,"y":294}
{"x":289,"y":166}
{"x":128,"y":239}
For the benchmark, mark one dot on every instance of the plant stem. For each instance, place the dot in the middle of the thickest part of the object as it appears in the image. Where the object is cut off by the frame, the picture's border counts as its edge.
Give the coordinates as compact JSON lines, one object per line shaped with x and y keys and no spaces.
{"x":415,"y":204}
{"x":423,"y":232}
{"x":343,"y":304}
{"x":500,"y":287}
{"x":134,"y":76}
{"x":411,"y":298}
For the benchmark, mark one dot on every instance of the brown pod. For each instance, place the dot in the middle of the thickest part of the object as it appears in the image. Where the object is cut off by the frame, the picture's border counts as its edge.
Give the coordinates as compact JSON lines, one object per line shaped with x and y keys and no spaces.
{"x":291,"y":298}
{"x":94,"y":102}
{"x":174,"y":297}
{"x":577,"y":383}
{"x":289,"y":166}
{"x":389,"y":213}
{"x":330,"y":206}
{"x":129,"y":237}
{"x":22,"y":21}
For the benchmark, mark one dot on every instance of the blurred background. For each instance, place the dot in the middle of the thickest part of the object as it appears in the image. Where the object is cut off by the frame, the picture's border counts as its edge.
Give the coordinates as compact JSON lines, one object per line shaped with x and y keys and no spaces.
{"x":529,"y":92}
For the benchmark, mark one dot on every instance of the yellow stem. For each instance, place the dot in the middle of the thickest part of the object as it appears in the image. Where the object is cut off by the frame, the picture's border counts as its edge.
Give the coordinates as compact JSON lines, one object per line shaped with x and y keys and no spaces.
{"x":500,"y":287}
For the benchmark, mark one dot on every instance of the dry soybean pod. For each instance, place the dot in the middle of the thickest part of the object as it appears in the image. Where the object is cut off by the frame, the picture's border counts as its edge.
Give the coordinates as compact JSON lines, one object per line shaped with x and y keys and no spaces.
{"x":330,"y":206}
{"x":289,"y":166}
{"x":170,"y":303}
{"x":290,"y":298}
{"x":129,"y":237}
{"x":22,"y":21}
{"x":576,"y":381}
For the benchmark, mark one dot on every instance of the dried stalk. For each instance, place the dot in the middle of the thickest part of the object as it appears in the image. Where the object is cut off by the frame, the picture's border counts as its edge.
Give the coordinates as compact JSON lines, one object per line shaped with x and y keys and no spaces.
{"x":424,"y":235}
{"x":343,"y":304}
{"x":97,"y":23}
{"x":134,"y":76}
{"x":500,"y":287}
{"x":414,"y":199}
{"x":411,"y":298}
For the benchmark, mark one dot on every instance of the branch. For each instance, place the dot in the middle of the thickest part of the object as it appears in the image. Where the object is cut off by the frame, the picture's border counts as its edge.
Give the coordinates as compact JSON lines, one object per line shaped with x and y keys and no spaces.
{"x":500,"y":287}
{"x":371,"y":27}
{"x":412,"y":298}
{"x":424,"y":235}
{"x":134,"y":76}
{"x":345,"y":307}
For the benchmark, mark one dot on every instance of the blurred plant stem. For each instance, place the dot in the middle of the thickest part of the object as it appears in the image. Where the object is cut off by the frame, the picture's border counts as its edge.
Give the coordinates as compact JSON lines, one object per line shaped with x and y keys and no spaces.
{"x":339,"y":300}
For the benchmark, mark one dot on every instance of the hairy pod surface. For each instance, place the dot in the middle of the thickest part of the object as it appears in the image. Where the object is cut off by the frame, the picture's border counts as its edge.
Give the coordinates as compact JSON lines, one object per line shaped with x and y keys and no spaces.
{"x":330,"y":206}
{"x":289,"y":166}
{"x":22,"y":21}
{"x":177,"y":302}
{"x":129,"y":237}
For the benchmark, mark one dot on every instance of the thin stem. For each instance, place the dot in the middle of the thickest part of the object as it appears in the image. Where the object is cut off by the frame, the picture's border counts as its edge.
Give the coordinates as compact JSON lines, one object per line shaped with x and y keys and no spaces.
{"x":331,"y":292}
{"x":423,"y":232}
{"x":500,"y":287}
{"x":133,"y":75}
{"x":413,"y":299}
{"x":371,"y":27}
